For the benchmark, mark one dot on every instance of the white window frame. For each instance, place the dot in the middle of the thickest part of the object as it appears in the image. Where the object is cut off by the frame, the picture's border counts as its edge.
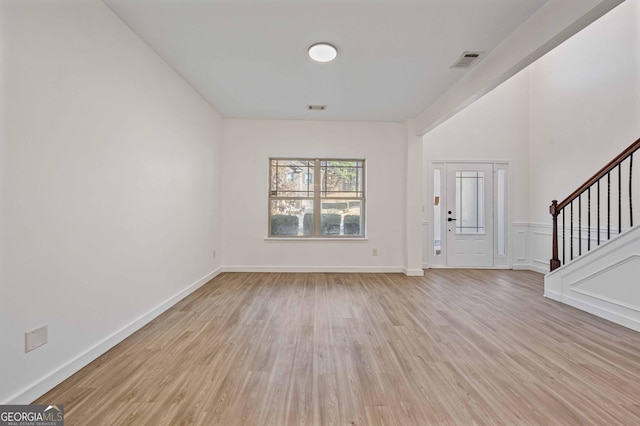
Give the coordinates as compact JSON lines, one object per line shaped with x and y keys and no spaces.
{"x":318,"y":199}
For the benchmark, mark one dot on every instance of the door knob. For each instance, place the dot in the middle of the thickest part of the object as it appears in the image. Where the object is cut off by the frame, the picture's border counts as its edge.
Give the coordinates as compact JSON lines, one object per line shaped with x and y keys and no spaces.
{"x":450,"y":219}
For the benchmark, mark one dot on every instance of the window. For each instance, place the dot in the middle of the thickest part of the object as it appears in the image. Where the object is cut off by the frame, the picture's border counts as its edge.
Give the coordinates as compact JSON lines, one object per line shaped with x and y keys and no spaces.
{"x":316,"y":198}
{"x":470,"y":202}
{"x":437,"y":213}
{"x":502,"y":209}
{"x":308,"y":178}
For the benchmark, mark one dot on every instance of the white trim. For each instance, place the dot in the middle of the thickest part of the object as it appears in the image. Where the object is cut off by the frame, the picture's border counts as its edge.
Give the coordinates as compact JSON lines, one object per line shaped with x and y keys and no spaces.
{"x":507,"y":259}
{"x":601,"y":271}
{"x":425,"y":236}
{"x":298,"y":239}
{"x":534,"y":225}
{"x":606,"y":299}
{"x":528,"y":253}
{"x":529,"y":267}
{"x":522,"y":267}
{"x":476,"y":161}
{"x":433,"y":259}
{"x":553,"y":295}
{"x":496,"y":268}
{"x":523,"y":251}
{"x":42,"y":386}
{"x":575,"y":287}
{"x":541,"y":262}
{"x":598,"y":311}
{"x":414,"y":272}
{"x":318,"y":269}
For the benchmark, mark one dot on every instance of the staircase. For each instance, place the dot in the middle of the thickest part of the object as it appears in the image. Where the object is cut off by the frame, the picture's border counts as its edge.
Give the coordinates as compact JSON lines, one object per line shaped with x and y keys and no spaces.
{"x":612,"y":192}
{"x":595,"y":263}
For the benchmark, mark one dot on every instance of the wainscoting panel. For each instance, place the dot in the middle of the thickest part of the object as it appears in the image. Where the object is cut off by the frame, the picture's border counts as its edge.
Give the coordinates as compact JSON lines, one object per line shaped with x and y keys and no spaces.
{"x":531,"y":246}
{"x":604,"y":281}
{"x":426,"y":247}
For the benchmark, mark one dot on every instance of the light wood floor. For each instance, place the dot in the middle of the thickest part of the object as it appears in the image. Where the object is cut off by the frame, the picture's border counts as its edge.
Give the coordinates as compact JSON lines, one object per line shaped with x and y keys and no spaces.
{"x":453,"y":347}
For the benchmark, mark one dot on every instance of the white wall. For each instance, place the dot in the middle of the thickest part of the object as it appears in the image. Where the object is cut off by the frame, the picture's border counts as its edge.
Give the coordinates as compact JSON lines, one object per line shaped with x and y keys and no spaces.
{"x":559,"y":121}
{"x":553,"y":23}
{"x":585,"y":105}
{"x":496,"y":127}
{"x":109,"y":205}
{"x":414,"y":238}
{"x":248,"y":144}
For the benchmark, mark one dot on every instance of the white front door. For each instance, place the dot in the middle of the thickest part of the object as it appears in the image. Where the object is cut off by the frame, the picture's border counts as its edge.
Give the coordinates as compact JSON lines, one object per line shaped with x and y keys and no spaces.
{"x":469,"y":215}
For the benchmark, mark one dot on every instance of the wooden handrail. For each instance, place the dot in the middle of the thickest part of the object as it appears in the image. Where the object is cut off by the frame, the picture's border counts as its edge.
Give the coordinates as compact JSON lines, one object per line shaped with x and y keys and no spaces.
{"x":554,"y":263}
{"x":601,"y":173}
{"x":557,"y":207}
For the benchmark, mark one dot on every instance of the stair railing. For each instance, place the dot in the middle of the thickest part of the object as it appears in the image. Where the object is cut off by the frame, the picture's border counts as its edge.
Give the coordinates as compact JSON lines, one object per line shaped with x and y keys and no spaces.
{"x":610,"y":177}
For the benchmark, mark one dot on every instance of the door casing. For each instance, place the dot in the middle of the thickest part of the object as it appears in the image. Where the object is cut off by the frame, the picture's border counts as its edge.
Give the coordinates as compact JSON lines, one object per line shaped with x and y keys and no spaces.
{"x":502,"y":258}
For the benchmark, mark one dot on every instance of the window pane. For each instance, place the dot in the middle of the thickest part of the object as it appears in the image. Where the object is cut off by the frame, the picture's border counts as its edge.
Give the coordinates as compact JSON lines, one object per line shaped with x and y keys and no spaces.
{"x":437,"y":227}
{"x":341,"y":217}
{"x":469,"y":202}
{"x":341,"y":178}
{"x":502,"y":207}
{"x":291,"y":218}
{"x":338,"y":205}
{"x":291,"y":178}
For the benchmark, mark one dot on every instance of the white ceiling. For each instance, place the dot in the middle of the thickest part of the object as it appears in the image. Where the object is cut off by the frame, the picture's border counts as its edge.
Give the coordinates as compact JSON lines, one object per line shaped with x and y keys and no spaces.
{"x":248,"y":58}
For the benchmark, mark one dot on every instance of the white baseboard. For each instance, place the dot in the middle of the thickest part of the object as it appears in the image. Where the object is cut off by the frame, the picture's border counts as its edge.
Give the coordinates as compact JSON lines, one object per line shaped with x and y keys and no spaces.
{"x":521,"y":267}
{"x":413,"y":272}
{"x":598,"y":311}
{"x":42,"y":386}
{"x":553,"y":295}
{"x":497,"y":268}
{"x":534,"y":268}
{"x":318,"y":269}
{"x":328,"y":269}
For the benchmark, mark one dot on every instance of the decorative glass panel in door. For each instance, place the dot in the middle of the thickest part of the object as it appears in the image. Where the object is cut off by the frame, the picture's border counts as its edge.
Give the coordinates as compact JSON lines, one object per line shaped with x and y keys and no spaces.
{"x":470,"y":202}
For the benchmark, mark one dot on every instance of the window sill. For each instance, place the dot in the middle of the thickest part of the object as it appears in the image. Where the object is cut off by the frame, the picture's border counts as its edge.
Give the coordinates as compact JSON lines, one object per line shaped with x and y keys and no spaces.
{"x":341,"y":239}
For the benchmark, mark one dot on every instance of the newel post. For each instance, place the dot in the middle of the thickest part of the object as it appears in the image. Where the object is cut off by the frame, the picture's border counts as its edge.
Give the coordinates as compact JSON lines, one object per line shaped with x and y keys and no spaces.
{"x":555,"y":261}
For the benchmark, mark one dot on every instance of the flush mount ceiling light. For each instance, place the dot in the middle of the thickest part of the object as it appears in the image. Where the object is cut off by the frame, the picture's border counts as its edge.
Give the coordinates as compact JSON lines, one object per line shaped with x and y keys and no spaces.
{"x":323,"y":52}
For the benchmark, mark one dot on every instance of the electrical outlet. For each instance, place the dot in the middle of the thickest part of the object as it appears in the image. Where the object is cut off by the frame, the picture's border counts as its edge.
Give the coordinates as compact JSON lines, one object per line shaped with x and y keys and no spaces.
{"x":36,"y":338}
{"x":374,"y":252}
{"x":214,"y":254}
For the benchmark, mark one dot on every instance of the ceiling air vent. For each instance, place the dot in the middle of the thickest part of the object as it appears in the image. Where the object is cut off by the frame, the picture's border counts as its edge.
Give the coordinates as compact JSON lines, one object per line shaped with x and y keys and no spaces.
{"x":467,"y":59}
{"x":316,"y":107}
